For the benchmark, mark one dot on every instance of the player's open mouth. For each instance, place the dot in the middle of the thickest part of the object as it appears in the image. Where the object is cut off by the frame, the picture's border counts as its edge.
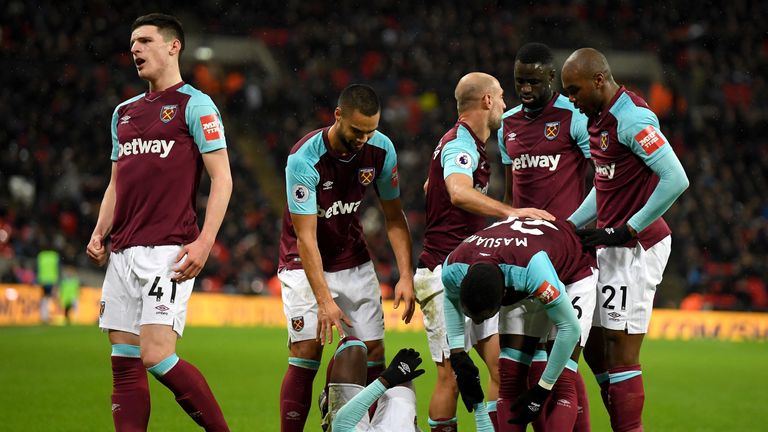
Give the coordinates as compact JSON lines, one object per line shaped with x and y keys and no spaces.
{"x":527,"y":99}
{"x":139,"y":61}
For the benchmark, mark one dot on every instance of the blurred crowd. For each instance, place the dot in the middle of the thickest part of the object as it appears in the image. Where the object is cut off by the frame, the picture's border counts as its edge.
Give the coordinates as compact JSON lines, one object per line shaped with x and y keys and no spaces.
{"x":63,"y":77}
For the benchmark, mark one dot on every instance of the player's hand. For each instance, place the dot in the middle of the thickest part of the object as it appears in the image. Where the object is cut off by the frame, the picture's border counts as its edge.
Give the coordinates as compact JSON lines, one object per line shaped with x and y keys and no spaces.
{"x":96,"y":250}
{"x":468,"y":379}
{"x":402,"y":368}
{"x":532,"y":213}
{"x":529,"y":405}
{"x":404,"y":292}
{"x":329,"y":315}
{"x":605,"y":236}
{"x":197,"y":254}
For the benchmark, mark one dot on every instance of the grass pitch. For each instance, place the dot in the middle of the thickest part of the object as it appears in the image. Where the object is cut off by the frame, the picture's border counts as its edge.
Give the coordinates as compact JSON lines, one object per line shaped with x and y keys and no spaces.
{"x":59,"y":379}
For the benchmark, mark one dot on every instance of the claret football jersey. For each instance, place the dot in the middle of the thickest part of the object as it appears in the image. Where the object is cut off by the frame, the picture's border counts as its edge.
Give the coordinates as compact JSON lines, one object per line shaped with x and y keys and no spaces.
{"x":157,"y":142}
{"x":322,"y":182}
{"x":547,"y":152}
{"x":624,"y":141}
{"x":458,"y":151}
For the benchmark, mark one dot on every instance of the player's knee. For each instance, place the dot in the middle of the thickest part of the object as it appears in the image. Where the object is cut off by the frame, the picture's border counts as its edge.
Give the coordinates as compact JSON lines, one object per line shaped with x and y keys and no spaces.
{"x":375,"y":350}
{"x":309,"y":349}
{"x":151,"y":357}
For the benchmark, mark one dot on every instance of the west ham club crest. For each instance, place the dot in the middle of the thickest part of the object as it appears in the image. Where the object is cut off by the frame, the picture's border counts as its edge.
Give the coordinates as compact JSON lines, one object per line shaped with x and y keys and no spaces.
{"x":551,"y":130}
{"x":604,"y":140}
{"x":168,"y":112}
{"x":365,"y":175}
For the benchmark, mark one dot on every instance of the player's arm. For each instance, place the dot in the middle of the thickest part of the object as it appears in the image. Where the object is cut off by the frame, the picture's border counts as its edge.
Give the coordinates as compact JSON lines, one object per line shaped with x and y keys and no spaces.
{"x":347,"y":418}
{"x":508,"y":184}
{"x":217,"y":166}
{"x":400,"y":238}
{"x":388,"y":190}
{"x":300,"y":182}
{"x":587,"y":211}
{"x":507,"y":162}
{"x":402,"y":369}
{"x":328,"y":312}
{"x":543,"y":283}
{"x":672,"y":183}
{"x":96,"y":249}
{"x":459,"y":162}
{"x":206,"y":129}
{"x":452,"y":275}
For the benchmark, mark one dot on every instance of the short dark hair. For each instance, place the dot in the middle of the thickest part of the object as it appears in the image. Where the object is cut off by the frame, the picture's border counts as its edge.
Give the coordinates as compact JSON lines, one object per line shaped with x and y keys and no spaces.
{"x":359,"y":97}
{"x":535,"y":52}
{"x":167,"y":25}
{"x":482,"y":289}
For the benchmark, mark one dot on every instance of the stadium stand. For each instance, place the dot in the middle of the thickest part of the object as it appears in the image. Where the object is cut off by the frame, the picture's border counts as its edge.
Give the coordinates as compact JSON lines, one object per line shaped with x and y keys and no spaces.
{"x":63,"y":77}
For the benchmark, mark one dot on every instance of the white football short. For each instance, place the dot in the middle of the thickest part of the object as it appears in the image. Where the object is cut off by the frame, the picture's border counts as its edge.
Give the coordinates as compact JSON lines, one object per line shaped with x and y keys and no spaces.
{"x":396,"y":411}
{"x":138,"y":290}
{"x":529,"y":317}
{"x":627,"y":284}
{"x":583,"y":295}
{"x":428,"y":287}
{"x":356,"y":291}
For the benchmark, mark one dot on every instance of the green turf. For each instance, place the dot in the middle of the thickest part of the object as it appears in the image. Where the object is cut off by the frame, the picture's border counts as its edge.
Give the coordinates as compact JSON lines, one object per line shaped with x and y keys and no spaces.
{"x":58,"y":379}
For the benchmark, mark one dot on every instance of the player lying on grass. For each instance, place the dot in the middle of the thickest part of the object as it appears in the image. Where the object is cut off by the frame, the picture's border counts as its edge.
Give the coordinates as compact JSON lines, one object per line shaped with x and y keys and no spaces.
{"x":345,"y":402}
{"x":491,"y":272}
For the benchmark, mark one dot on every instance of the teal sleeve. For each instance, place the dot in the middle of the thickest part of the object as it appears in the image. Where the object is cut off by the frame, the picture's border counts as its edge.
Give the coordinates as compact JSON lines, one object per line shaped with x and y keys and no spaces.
{"x":387,"y":181}
{"x":587,"y":211}
{"x":579,"y":132}
{"x":638,"y":129}
{"x":301,"y":180}
{"x":672,"y":183}
{"x":115,"y":143}
{"x":568,"y":334}
{"x":482,"y":419}
{"x":505,"y":159}
{"x":204,"y":123}
{"x":460,"y":155}
{"x":544,"y":284}
{"x":452,"y":276}
{"x":347,"y":418}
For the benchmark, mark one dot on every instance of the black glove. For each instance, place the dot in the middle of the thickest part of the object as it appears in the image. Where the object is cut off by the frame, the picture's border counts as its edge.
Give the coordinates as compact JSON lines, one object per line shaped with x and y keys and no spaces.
{"x":468,"y":379}
{"x":604,"y":236}
{"x":402,"y":368}
{"x":529,"y":405}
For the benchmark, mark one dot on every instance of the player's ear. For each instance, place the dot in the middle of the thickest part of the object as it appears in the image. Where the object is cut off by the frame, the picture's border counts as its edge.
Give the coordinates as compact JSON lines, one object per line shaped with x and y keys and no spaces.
{"x":337,"y":113}
{"x":598,"y":79}
{"x":175,"y":47}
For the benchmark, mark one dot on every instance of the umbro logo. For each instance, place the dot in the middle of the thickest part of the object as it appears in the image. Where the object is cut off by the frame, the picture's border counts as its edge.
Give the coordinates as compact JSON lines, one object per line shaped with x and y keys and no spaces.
{"x":511,"y":136}
{"x":328,"y":185}
{"x":292,"y":415}
{"x":404,"y":368}
{"x":124,"y":119}
{"x":115,"y":407}
{"x":162,"y":308}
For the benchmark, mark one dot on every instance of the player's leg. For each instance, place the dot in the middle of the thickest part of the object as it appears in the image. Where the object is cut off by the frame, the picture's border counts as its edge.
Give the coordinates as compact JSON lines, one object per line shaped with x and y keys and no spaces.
{"x":163,"y":315}
{"x":562,"y":411}
{"x":521,"y":326}
{"x":305,"y":351}
{"x":119,"y":315}
{"x":345,"y":378}
{"x":627,"y":301}
{"x":487,"y":345}
{"x":429,"y":294}
{"x":358,"y":294}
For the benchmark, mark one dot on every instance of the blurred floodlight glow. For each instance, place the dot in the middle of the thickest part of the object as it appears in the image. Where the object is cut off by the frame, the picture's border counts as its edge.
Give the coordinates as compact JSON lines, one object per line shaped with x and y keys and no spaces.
{"x":203,"y":53}
{"x":11,"y":294}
